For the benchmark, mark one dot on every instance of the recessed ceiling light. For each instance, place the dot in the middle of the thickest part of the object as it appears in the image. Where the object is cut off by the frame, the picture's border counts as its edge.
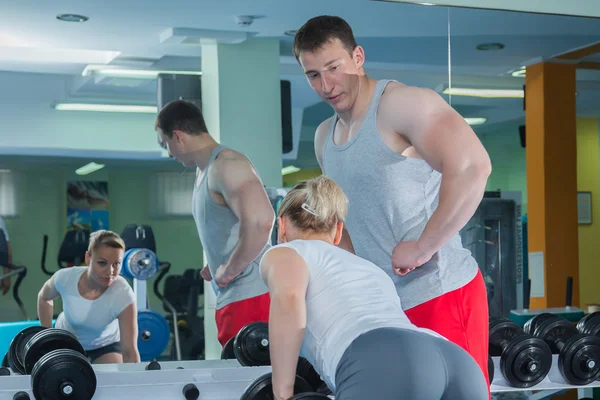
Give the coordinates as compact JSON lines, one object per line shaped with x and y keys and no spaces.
{"x":72,"y":17}
{"x":490,"y":46}
{"x":290,"y":32}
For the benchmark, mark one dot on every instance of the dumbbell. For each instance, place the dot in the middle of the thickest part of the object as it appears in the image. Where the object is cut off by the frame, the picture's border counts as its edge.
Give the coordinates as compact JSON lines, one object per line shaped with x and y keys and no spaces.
{"x":16,"y":349}
{"x":262,"y":389}
{"x":56,"y":362}
{"x":578,"y":353}
{"x":590,"y":324}
{"x":524,"y":359}
{"x":250,"y":346}
{"x":306,"y":371}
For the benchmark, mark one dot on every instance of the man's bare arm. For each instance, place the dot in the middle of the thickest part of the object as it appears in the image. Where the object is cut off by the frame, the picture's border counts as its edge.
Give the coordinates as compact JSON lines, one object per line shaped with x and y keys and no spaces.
{"x":449,"y":145}
{"x":320,"y":138}
{"x":244,"y":193}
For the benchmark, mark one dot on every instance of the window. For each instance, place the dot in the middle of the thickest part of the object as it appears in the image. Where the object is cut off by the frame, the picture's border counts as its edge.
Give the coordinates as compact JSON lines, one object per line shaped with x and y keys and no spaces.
{"x":171,"y":195}
{"x":8,"y":193}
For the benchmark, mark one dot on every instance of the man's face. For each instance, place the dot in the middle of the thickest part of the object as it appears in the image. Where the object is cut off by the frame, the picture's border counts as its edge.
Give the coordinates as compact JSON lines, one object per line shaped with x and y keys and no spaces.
{"x":174,"y":146}
{"x":333,"y":73}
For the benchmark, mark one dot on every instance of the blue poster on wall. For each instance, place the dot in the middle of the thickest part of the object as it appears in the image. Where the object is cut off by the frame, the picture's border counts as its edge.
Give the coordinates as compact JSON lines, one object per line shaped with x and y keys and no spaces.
{"x":87,"y":205}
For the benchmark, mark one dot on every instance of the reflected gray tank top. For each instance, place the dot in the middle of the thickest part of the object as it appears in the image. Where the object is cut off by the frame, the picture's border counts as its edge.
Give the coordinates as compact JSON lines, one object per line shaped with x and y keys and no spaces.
{"x":391,"y":198}
{"x":218,"y":228}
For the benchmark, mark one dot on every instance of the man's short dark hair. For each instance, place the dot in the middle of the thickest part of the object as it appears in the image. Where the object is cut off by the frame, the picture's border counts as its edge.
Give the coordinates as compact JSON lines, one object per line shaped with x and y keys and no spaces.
{"x":320,"y":30}
{"x":183,"y":116}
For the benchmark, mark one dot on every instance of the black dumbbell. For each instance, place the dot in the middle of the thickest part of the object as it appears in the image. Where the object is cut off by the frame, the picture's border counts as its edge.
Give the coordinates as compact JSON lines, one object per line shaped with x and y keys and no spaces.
{"x":227,"y":352}
{"x":578,"y":353}
{"x":251,"y":345}
{"x":590,"y":324}
{"x":524,"y":359}
{"x":262,"y":388}
{"x":305,"y":370}
{"x":62,"y":374}
{"x":15,"y":356}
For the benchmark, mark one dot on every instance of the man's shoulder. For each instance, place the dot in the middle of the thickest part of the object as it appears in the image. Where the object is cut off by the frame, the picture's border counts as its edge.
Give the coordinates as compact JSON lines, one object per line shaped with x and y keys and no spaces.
{"x":227,"y":156}
{"x":324,"y":126}
{"x":395,"y":91}
{"x":228,"y":159}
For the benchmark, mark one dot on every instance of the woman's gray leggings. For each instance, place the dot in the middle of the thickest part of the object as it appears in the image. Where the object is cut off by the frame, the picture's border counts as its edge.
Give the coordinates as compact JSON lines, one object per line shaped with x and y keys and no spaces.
{"x":394,"y":364}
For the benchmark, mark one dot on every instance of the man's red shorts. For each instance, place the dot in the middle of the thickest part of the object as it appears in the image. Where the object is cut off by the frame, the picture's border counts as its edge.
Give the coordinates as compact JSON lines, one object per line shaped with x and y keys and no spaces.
{"x":462,"y":317}
{"x":233,"y":317}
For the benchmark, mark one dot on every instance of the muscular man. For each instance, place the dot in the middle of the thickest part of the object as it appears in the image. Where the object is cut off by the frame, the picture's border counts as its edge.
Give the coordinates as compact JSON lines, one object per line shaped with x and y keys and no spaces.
{"x":232,"y":212}
{"x":414,"y":173}
{"x":6,"y":281}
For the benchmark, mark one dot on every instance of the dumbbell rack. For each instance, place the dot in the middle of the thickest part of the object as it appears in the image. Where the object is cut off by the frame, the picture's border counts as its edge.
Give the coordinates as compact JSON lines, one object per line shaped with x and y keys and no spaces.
{"x":215,"y":380}
{"x":552,"y":384}
{"x":227,"y":380}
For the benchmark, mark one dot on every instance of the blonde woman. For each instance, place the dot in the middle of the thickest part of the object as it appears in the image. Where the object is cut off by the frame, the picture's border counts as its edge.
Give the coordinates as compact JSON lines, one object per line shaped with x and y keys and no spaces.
{"x":343,"y":314}
{"x":99,"y":306}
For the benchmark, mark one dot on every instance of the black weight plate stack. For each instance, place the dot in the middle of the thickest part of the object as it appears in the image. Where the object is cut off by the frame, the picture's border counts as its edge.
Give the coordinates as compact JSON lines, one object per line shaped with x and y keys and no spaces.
{"x":305,"y":370}
{"x":308,"y":373}
{"x":227,"y":353}
{"x":525,"y":360}
{"x":47,"y":340}
{"x":63,"y":374}
{"x":16,"y":351}
{"x":491,"y":369}
{"x":555,"y":330}
{"x":579,"y":360}
{"x":590,"y":324}
{"x":262,"y":388}
{"x":251,"y":345}
{"x":579,"y":354}
{"x":531,"y":325}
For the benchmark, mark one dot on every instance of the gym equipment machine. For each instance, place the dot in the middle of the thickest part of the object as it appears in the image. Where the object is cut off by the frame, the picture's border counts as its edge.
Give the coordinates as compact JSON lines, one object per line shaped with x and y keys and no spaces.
{"x":139,"y":265}
{"x":493,"y":236}
{"x":19,"y":270}
{"x":182,"y":293}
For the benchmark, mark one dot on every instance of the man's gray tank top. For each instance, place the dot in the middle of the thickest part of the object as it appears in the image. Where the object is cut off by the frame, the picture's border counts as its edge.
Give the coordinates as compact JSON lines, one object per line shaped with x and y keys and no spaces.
{"x":218,"y":228}
{"x":391,"y":198}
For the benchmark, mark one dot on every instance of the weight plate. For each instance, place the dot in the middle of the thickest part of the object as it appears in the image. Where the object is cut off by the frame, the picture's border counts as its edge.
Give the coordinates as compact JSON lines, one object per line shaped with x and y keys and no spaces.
{"x":308,"y":373}
{"x":141,"y":264}
{"x":227,"y":353}
{"x":5,"y":361}
{"x":262,"y":388}
{"x":579,"y":360}
{"x":554,"y":330}
{"x":153,"y":334}
{"x":502,"y":330}
{"x":531,"y":325}
{"x":251,"y":345}
{"x":63,"y":374}
{"x":44,"y":342}
{"x":526,"y":361}
{"x":590,"y":324}
{"x":16,"y":352}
